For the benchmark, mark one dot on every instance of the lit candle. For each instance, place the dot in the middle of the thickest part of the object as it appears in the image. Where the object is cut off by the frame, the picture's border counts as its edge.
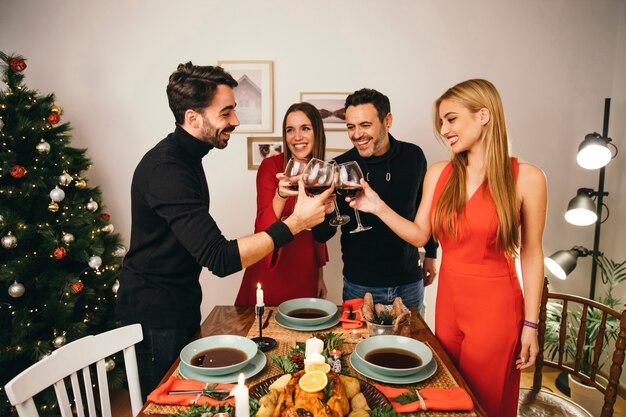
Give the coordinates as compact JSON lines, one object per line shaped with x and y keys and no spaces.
{"x":259,"y":295}
{"x":313,"y":346}
{"x":354,"y":334}
{"x":240,"y":391}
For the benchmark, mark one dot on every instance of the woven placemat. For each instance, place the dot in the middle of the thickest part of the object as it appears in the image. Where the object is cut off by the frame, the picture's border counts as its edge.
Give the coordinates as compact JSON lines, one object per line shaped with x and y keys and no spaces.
{"x":286,"y":340}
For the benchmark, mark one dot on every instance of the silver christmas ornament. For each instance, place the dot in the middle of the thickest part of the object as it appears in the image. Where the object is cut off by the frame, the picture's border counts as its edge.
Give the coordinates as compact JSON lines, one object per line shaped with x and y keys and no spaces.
{"x":92,"y":206}
{"x":119,"y":252}
{"x":95,"y":262}
{"x":59,"y":341}
{"x":109,"y":365}
{"x":9,"y":241}
{"x":67,"y":238}
{"x":65,"y":179}
{"x":16,"y":290}
{"x":57,"y":195}
{"x":43,"y":147}
{"x":109,"y":228}
{"x":115,"y":287}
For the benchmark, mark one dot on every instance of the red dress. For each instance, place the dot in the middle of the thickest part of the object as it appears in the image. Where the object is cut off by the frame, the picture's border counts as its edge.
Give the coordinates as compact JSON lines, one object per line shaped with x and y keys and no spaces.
{"x":292,"y":271}
{"x":479,"y":310}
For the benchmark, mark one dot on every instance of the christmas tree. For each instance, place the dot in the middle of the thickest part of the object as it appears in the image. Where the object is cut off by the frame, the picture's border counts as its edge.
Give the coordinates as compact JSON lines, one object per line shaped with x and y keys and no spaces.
{"x":59,"y":259}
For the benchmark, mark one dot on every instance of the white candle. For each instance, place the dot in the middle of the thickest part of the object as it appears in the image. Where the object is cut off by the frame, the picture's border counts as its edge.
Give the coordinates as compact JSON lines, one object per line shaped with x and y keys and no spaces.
{"x":259,"y":295}
{"x":314,"y":358}
{"x":313,"y":346}
{"x":240,"y":391}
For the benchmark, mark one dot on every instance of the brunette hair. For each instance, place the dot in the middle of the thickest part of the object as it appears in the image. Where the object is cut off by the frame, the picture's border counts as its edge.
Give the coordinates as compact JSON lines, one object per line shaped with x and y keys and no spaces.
{"x":319,"y":147}
{"x":475,"y":95}
{"x":193,"y":87}
{"x":369,"y":95}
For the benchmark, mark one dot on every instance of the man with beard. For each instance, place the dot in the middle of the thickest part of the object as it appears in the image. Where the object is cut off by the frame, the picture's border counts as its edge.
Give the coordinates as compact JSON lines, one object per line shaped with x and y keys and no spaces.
{"x":377,"y":260}
{"x":173,"y":235}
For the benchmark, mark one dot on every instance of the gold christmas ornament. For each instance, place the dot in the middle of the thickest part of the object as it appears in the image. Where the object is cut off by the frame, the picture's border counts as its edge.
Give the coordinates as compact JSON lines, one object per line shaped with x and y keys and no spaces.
{"x":16,"y":290}
{"x":53,"y":207}
{"x":9,"y":241}
{"x":109,"y":228}
{"x":109,"y":365}
{"x":56,"y":109}
{"x":43,"y":147}
{"x":92,"y":206}
{"x":115,"y":287}
{"x":65,"y":179}
{"x":59,"y":341}
{"x":80,"y":184}
{"x":67,"y":238}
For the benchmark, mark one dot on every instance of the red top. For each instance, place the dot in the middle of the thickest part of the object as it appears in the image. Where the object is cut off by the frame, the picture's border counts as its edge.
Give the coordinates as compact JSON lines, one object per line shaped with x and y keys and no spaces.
{"x":292,"y":271}
{"x":474,"y":247}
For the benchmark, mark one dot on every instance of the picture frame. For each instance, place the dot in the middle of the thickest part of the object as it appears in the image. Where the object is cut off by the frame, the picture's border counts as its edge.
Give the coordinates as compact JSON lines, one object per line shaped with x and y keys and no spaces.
{"x":330,"y":105}
{"x":260,"y":148}
{"x":332,"y":153}
{"x":254,"y":94}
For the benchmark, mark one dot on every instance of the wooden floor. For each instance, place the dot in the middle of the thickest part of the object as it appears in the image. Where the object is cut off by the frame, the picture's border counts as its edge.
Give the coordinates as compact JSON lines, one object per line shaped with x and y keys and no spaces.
{"x":120,"y":402}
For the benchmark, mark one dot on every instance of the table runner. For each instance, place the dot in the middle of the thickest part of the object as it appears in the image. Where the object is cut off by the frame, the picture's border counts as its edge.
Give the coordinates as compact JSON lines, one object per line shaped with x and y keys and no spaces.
{"x":287,"y":339}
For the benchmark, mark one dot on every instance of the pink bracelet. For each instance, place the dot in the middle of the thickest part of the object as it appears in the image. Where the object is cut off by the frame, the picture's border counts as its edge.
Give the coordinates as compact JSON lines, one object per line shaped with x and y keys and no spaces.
{"x":531,"y":324}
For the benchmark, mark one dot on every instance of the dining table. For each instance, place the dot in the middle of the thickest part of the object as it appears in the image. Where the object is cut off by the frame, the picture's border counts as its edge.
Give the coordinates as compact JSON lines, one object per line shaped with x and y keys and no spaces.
{"x":243,"y":321}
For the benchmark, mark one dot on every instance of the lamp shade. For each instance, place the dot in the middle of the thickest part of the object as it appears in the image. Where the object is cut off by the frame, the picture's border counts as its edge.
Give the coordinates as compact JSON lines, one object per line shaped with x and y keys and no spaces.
{"x":581,"y":210}
{"x":593,"y":152}
{"x":561,"y":262}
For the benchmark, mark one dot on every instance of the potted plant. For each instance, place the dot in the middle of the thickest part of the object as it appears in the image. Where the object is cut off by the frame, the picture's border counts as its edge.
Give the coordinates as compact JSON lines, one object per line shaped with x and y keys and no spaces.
{"x":613,"y":274}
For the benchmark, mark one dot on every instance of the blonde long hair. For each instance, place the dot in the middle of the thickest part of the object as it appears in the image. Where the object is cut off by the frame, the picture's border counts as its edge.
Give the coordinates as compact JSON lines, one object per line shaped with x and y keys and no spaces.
{"x":475,"y":95}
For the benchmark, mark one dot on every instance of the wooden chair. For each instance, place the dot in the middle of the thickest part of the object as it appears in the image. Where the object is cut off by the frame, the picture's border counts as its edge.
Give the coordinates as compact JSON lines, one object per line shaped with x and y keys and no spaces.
{"x":530,"y":398}
{"x":67,"y":361}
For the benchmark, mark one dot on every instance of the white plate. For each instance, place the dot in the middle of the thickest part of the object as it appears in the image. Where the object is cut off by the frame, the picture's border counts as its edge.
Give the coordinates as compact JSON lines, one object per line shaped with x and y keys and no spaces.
{"x":421,"y":375}
{"x":326,"y":325}
{"x":255,"y":366}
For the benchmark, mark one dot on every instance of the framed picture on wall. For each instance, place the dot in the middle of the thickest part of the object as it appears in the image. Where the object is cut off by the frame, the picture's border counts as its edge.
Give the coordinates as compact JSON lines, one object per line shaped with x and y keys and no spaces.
{"x":254,"y":94}
{"x":332,"y":153}
{"x":260,"y":148}
{"x":330,"y":106}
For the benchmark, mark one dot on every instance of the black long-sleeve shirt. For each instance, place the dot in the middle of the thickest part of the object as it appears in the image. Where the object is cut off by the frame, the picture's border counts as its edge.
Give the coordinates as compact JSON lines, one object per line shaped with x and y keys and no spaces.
{"x":172,"y":237}
{"x":378,"y":257}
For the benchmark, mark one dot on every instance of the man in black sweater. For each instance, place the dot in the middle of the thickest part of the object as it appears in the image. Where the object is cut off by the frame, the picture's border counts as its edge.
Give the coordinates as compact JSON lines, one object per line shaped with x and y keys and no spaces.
{"x":173,"y":235}
{"x":377,"y":260}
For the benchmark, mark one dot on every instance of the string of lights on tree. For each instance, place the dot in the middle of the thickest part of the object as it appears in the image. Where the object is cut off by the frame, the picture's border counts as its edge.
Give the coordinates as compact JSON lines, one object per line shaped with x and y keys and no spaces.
{"x":59,"y":255}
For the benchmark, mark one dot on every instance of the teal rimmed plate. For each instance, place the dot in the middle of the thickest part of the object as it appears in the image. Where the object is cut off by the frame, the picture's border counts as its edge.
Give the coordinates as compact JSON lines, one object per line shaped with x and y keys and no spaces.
{"x":253,"y":367}
{"x":361,"y":367}
{"x":323,"y":326}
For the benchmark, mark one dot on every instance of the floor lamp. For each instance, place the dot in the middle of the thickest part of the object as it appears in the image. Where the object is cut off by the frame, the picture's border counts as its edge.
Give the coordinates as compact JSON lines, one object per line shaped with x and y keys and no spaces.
{"x":593,"y":153}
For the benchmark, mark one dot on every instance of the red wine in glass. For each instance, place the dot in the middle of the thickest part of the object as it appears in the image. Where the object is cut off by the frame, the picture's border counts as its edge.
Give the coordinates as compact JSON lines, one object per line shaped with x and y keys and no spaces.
{"x":349,"y":190}
{"x":350,"y":176}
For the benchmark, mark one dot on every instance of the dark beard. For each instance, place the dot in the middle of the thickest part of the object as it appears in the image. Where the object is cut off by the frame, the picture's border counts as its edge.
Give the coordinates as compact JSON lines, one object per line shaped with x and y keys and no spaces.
{"x":212,"y":136}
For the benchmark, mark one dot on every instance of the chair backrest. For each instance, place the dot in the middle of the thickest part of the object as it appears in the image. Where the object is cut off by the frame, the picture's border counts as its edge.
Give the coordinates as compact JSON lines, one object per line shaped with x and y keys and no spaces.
{"x":582,"y":308}
{"x":71,"y":359}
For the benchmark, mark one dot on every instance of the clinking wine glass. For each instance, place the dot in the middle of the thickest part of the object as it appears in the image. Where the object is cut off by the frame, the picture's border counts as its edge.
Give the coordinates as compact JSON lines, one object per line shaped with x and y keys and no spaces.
{"x":339,"y":219}
{"x":318,"y":176}
{"x":349,"y":185}
{"x":293,"y":171}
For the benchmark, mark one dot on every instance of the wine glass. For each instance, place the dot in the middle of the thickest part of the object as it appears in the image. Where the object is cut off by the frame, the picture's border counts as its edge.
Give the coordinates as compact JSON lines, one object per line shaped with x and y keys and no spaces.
{"x":349,"y":185}
{"x":318,"y":176}
{"x":339,"y":219}
{"x":293,"y":171}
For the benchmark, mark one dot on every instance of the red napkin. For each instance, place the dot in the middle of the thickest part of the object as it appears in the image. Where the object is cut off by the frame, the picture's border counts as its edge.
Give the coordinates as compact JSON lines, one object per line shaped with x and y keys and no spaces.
{"x":355,"y":323}
{"x":444,"y":399}
{"x":160,"y":394}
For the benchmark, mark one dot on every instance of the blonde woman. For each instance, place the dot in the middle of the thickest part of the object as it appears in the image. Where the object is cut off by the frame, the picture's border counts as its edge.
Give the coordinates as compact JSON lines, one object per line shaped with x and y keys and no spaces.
{"x":485,"y":208}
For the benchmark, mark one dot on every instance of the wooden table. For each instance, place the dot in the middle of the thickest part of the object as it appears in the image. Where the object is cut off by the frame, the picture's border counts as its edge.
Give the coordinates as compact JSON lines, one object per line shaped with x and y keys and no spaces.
{"x":238,"y":320}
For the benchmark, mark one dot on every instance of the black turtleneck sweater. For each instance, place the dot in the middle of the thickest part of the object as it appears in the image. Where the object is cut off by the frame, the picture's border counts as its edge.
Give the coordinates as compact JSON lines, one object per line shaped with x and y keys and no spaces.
{"x":378,"y":257}
{"x":172,"y":237}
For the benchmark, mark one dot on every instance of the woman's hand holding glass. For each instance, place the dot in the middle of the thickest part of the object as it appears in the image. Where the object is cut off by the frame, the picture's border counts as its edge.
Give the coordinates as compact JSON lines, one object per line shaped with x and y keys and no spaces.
{"x":288,"y":180}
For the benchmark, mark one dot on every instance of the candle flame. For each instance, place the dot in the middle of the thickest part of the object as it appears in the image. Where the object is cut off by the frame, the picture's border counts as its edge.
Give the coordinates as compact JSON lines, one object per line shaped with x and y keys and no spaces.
{"x":258,"y":285}
{"x":242,"y":379}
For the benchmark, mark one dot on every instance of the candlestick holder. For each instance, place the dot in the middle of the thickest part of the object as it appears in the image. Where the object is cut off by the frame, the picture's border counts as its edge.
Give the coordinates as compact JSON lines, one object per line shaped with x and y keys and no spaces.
{"x":264,"y":343}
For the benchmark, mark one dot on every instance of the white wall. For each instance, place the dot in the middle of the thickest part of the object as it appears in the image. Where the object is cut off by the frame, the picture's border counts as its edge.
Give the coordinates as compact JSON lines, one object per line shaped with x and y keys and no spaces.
{"x":553,"y":62}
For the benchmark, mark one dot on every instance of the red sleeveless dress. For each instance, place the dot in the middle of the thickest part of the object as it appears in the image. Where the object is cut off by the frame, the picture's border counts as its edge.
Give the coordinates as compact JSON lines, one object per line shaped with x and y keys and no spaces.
{"x":479,"y":310}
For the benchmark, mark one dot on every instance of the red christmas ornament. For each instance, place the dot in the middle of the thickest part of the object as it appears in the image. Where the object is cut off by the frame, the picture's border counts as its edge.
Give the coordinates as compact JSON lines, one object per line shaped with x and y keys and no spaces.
{"x":105,"y":216}
{"x":53,"y":118}
{"x":60,"y":252}
{"x":17,"y":64}
{"x":18,"y":171}
{"x":78,"y":287}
